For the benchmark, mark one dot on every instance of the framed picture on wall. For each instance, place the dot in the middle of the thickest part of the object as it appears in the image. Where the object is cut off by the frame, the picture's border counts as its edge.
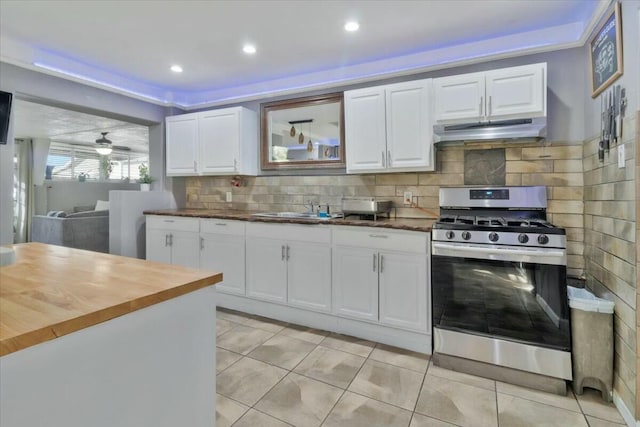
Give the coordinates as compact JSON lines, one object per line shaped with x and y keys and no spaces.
{"x":605,"y":52}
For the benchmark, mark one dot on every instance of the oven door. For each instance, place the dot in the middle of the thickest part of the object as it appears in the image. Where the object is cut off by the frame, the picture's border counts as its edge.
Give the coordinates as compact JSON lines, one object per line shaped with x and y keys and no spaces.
{"x":515,"y":297}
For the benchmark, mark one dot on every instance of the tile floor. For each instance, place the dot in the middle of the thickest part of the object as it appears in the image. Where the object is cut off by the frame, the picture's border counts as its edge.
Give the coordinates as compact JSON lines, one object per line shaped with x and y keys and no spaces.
{"x":272,"y":374}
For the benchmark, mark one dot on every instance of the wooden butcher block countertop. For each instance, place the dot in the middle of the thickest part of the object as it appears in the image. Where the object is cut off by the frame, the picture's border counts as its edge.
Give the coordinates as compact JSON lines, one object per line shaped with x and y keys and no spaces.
{"x":52,"y":291}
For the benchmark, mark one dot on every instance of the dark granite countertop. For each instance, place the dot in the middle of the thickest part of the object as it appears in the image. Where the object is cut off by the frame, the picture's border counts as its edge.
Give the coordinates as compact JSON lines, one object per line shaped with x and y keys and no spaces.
{"x":411,"y":224}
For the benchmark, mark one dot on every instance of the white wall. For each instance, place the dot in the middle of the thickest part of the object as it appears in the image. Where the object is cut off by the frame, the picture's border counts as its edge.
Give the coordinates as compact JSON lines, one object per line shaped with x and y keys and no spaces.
{"x":65,"y":195}
{"x":37,"y":87}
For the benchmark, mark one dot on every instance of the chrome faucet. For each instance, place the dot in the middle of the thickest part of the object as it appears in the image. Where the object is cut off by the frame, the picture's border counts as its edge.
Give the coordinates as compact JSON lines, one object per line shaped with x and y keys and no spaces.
{"x":309,"y":205}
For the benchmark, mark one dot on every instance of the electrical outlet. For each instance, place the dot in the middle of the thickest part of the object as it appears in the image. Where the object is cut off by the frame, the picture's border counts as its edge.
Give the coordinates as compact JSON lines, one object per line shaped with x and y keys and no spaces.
{"x":408,"y":197}
{"x":229,"y":196}
{"x":621,"y":159}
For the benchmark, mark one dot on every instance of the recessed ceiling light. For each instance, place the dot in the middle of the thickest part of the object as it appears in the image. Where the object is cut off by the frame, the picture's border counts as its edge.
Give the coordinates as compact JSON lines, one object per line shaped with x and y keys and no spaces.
{"x":176,"y":68}
{"x":351,"y":26}
{"x":249,"y":48}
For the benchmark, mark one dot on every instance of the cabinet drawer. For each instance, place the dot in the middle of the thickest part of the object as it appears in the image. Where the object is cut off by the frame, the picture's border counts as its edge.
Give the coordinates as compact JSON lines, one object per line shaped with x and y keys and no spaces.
{"x":291,"y":232}
{"x":173,"y":223}
{"x":222,"y":226}
{"x":375,"y":238}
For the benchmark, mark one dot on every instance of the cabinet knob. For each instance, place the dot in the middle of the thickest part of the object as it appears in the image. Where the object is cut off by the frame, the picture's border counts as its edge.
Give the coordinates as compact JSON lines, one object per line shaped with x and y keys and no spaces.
{"x":384,"y":163}
{"x":481,"y":106}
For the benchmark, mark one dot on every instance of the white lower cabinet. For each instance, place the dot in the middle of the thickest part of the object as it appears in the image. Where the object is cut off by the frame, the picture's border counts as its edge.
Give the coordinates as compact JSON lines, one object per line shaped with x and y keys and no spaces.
{"x":266,"y":269}
{"x":381,"y":277}
{"x":295,"y":269}
{"x":363,"y":275}
{"x":309,"y":275}
{"x":403,"y":290}
{"x":222,"y":249}
{"x":355,"y":282}
{"x":173,"y":240}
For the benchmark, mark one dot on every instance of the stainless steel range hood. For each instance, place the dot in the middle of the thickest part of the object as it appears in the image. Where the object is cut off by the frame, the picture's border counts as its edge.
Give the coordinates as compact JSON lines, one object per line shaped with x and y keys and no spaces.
{"x":518,"y":129}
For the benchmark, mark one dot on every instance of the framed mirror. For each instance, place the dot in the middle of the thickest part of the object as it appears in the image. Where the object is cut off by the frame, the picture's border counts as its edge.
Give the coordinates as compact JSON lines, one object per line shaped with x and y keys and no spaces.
{"x":303,"y":133}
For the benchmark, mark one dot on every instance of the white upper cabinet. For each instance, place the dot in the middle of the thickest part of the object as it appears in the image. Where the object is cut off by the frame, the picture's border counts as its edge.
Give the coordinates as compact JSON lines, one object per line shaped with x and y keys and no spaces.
{"x":518,"y":92}
{"x":215,"y":142}
{"x":219,"y":134}
{"x":507,"y":93}
{"x":365,"y":129}
{"x":388,"y":128}
{"x":409,"y":131}
{"x":459,"y":97}
{"x":182,"y":144}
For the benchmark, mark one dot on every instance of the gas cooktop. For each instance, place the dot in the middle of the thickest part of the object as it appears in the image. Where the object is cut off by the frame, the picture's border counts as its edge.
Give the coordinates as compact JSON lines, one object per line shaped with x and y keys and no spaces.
{"x":515,"y":216}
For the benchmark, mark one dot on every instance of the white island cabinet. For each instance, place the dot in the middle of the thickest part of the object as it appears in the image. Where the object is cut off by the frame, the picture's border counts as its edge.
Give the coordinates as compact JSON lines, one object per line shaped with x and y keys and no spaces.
{"x":92,"y":339}
{"x":389,"y":128}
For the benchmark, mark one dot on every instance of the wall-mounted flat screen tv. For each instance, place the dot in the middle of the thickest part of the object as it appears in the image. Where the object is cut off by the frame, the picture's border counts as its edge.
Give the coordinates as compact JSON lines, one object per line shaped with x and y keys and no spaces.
{"x":5,"y":111}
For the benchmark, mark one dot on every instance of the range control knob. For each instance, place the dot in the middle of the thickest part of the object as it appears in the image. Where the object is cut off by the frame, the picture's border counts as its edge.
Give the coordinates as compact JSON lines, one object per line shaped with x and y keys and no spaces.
{"x":493,"y":236}
{"x":543,"y":239}
{"x":450,"y":234}
{"x":523,"y":238}
{"x":466,"y":235}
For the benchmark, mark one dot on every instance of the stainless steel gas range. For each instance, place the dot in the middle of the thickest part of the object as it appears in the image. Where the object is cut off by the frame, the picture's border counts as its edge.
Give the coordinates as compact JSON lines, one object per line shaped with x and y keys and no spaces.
{"x":498,"y":281}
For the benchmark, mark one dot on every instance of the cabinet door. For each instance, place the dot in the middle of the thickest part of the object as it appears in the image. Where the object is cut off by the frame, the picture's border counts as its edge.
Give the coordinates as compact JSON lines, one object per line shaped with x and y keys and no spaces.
{"x":459,"y":98}
{"x":182,"y":144}
{"x":355,"y":283}
{"x":219,"y":134}
{"x":158,"y":249}
{"x":365,"y":134}
{"x":266,"y":269}
{"x":517,"y":92}
{"x":185,"y":249}
{"x":224,"y":253}
{"x":403,"y":290}
{"x":309,"y":275}
{"x":409,"y":128}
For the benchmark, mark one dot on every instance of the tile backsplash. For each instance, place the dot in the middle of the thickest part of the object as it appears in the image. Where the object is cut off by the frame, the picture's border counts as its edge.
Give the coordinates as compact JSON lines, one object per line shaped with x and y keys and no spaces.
{"x":557,"y":166}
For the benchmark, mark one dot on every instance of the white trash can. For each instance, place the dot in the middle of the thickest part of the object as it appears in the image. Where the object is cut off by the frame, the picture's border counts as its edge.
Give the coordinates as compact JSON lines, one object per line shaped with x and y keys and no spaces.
{"x":592,"y":342}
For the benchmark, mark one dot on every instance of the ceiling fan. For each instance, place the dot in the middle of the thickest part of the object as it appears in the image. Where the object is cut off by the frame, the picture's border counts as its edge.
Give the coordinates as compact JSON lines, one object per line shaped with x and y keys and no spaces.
{"x":105,"y":146}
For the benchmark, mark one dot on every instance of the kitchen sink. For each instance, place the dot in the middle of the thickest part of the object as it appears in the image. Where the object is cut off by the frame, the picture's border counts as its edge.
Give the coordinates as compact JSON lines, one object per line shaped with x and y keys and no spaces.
{"x":293,"y":215}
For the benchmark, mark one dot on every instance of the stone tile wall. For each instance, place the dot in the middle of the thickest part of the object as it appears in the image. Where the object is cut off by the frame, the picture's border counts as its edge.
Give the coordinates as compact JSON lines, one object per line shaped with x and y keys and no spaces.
{"x":637,"y":195}
{"x":557,"y":166}
{"x":610,"y":197}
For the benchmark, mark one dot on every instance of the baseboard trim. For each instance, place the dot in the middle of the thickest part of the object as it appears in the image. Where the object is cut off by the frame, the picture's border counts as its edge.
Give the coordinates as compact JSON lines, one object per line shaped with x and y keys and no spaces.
{"x":414,"y":341}
{"x":624,"y":411}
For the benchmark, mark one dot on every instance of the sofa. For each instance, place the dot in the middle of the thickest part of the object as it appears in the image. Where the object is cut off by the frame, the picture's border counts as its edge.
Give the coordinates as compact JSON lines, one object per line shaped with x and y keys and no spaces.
{"x":81,"y":230}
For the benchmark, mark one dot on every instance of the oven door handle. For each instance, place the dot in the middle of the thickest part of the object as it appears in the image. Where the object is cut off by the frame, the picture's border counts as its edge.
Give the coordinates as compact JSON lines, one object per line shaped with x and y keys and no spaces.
{"x":505,"y":253}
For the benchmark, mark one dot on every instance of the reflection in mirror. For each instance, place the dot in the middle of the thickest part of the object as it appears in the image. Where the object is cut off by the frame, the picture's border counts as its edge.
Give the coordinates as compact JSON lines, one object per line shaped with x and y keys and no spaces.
{"x":303,"y":133}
